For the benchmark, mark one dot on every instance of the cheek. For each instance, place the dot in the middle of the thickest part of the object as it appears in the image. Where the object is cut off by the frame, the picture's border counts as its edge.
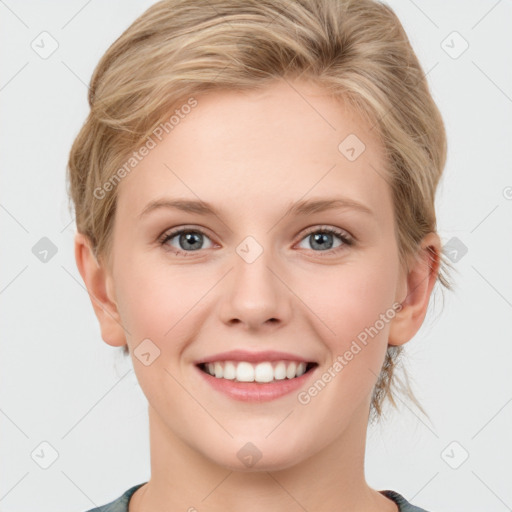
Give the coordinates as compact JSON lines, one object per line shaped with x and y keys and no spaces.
{"x":163,"y":303}
{"x":157,"y":305}
{"x":356,"y":312}
{"x":353,"y":296}
{"x":152,"y":297}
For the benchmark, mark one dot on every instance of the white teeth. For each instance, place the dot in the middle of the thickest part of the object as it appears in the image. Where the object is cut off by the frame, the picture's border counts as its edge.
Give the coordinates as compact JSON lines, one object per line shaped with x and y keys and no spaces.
{"x":291,"y":370}
{"x":229,"y":371}
{"x":245,"y":372}
{"x":280,"y":371}
{"x":262,"y":372}
{"x":219,"y":370}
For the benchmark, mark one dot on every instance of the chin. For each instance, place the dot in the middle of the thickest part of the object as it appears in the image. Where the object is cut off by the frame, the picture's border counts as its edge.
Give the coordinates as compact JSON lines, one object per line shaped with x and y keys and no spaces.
{"x":251,"y":458}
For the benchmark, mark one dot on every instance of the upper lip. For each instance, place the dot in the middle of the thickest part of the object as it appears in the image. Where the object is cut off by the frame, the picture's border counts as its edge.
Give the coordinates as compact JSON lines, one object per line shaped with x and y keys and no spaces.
{"x":253,"y":357}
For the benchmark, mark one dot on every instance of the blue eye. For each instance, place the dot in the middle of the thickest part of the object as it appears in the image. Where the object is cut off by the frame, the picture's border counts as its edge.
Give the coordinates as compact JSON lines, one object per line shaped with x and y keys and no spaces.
{"x":322,"y":238}
{"x":192,"y":240}
{"x":188,"y":239}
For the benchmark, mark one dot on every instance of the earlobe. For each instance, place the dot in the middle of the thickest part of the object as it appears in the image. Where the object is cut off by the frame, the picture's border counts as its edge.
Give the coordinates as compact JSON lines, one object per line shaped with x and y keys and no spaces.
{"x":99,"y":287}
{"x":420,"y":281}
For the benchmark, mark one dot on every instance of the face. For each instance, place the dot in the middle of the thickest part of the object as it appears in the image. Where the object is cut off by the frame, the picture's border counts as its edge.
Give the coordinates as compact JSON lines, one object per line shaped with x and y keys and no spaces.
{"x":258,"y":274}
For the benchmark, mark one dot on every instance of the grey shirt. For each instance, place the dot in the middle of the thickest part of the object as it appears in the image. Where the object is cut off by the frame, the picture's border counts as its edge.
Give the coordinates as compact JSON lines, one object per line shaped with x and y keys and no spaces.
{"x":121,"y":503}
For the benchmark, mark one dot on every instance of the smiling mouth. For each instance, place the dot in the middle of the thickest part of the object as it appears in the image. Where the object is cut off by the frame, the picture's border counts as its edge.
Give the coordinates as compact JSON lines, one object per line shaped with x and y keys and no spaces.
{"x":263,"y":372}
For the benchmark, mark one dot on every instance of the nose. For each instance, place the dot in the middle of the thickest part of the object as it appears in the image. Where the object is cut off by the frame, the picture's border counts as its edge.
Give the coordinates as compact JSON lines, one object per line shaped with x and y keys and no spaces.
{"x":254,"y":293}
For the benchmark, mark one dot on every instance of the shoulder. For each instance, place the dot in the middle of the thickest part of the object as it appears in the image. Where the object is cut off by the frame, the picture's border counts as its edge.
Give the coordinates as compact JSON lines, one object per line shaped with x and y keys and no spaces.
{"x":402,"y":503}
{"x":119,"y":504}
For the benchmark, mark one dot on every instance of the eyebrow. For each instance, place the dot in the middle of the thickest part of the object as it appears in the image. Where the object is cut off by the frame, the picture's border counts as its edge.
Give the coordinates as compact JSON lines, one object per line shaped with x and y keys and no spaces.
{"x":301,"y":207}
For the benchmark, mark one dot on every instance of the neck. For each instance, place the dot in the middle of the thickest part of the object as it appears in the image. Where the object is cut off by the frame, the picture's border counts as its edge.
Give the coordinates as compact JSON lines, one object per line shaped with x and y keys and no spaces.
{"x":332,"y":478}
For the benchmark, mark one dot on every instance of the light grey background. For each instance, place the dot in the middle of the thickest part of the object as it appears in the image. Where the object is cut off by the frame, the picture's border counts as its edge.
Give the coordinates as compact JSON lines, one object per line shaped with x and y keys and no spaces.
{"x":62,"y":385}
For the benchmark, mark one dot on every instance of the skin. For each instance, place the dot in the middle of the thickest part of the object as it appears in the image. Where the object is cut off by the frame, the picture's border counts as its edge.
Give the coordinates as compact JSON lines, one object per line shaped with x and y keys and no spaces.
{"x":251,"y":155}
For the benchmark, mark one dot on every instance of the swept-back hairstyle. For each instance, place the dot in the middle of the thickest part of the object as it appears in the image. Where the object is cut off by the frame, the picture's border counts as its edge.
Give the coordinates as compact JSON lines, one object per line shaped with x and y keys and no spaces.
{"x":357,"y":50}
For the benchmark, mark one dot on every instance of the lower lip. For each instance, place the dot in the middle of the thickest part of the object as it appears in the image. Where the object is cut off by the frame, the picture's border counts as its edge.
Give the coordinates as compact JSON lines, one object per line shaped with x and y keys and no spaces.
{"x":256,"y":391}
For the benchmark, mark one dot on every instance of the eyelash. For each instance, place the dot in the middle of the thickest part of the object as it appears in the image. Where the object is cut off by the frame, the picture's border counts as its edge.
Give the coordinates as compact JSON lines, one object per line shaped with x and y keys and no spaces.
{"x":347,"y":240}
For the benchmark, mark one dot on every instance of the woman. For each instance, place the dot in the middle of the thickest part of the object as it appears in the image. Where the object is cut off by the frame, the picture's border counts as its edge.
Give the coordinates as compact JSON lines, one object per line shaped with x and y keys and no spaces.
{"x":254,"y":194}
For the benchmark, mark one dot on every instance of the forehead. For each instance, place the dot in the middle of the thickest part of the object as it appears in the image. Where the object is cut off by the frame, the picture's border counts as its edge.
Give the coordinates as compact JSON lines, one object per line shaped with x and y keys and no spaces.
{"x":273,"y":146}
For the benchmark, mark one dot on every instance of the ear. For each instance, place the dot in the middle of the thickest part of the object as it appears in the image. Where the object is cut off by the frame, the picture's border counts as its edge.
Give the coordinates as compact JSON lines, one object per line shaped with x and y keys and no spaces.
{"x":99,"y":285}
{"x":418,"y":285}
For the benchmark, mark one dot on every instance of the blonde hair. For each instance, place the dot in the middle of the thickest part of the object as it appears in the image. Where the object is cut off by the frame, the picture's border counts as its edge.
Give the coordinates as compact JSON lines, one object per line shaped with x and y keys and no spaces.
{"x":357,"y":50}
